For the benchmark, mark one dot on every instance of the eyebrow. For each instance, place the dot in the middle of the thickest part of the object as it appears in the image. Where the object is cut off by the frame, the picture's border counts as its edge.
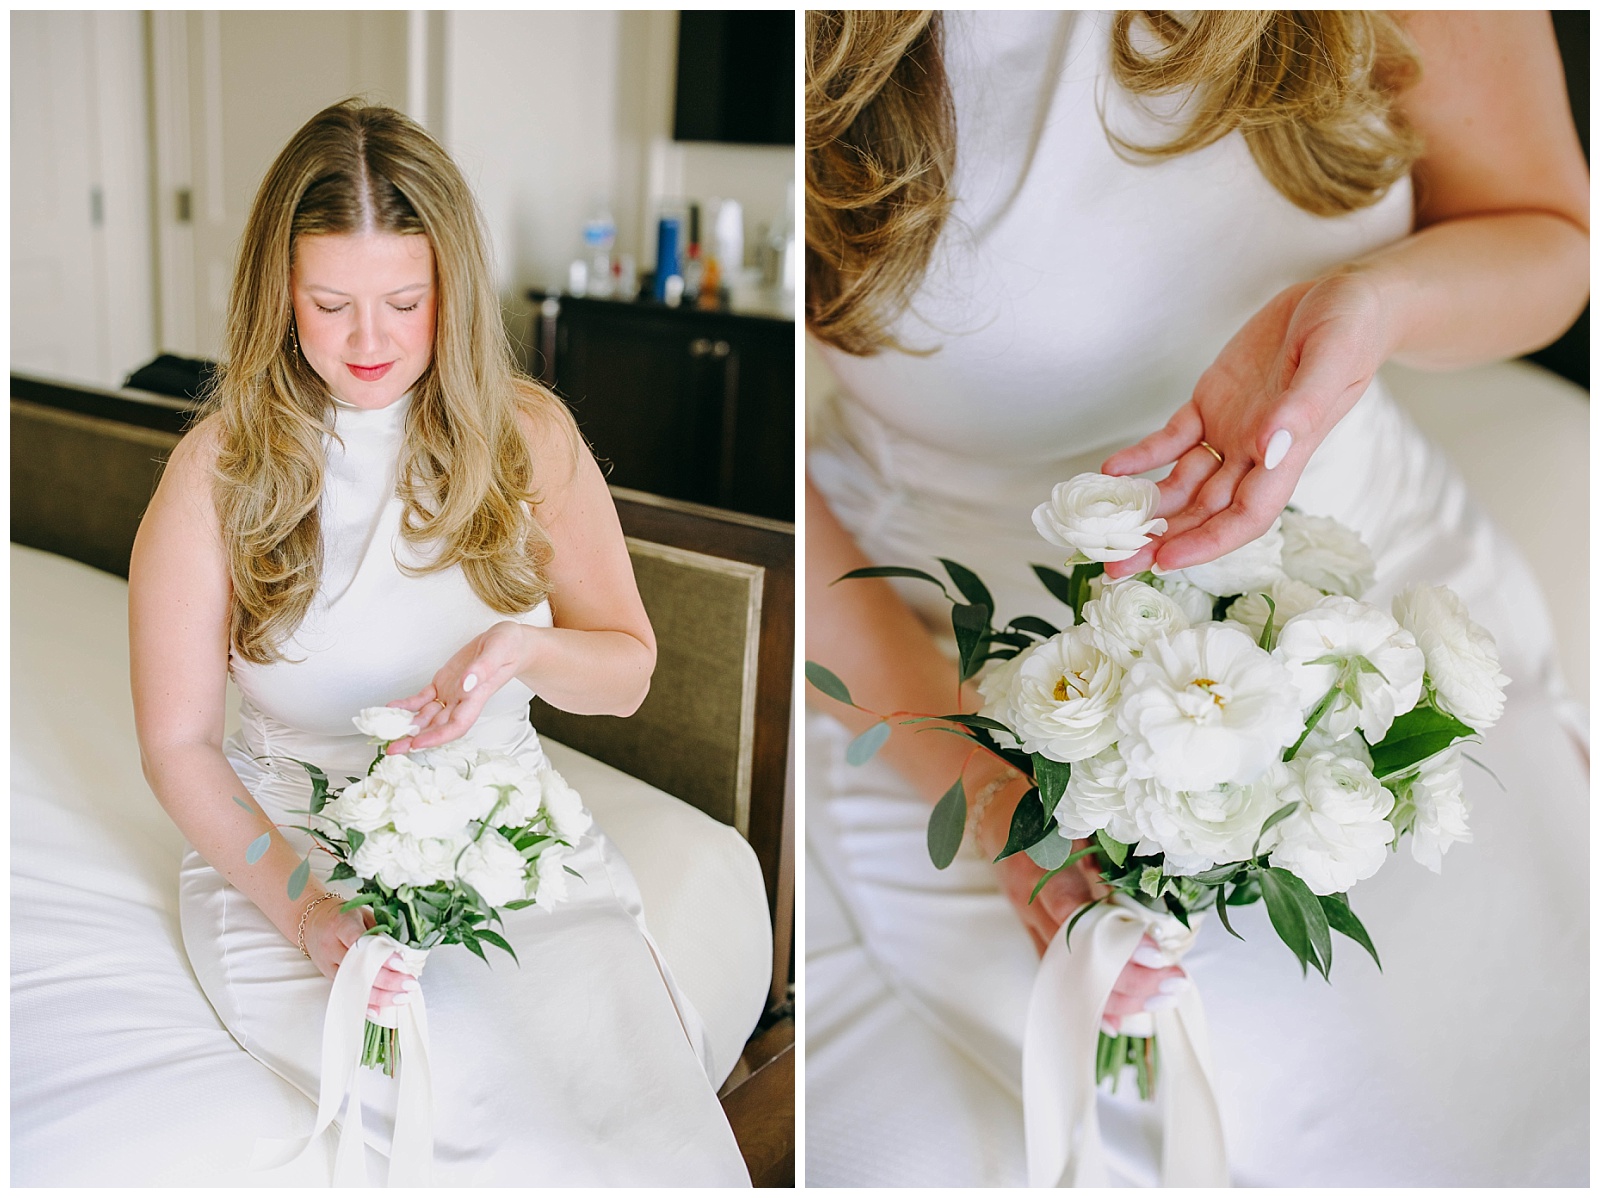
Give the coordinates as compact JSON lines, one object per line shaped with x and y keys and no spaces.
{"x":397,"y":291}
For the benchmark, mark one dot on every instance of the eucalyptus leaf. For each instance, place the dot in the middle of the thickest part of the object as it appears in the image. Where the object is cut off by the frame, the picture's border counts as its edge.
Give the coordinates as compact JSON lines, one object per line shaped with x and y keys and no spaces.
{"x":1035,"y":625}
{"x":1414,"y":737}
{"x":826,"y":681}
{"x":1052,"y":872}
{"x":298,"y":879}
{"x":1027,"y":825}
{"x":1343,"y":920}
{"x":970,"y":621}
{"x":258,"y":848}
{"x":946,"y":825}
{"x":864,"y":747}
{"x":968,"y":583}
{"x":1050,"y":851}
{"x":1052,"y":777}
{"x":1114,"y":849}
{"x":892,"y":572}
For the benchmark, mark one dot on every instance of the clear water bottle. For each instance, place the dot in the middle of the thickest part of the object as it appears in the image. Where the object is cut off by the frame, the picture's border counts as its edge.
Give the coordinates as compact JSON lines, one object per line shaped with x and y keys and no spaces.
{"x":599,"y":236}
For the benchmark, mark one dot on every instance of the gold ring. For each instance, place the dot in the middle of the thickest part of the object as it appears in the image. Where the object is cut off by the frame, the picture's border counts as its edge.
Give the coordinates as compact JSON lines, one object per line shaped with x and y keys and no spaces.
{"x":1209,"y":448}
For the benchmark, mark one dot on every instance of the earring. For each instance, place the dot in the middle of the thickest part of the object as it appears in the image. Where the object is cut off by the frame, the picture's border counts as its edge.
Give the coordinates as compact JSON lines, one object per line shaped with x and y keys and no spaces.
{"x":294,"y":340}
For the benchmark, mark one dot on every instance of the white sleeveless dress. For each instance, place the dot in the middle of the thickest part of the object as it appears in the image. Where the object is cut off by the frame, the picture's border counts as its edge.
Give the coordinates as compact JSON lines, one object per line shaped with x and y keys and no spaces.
{"x":583,"y":1066}
{"x":1073,"y":301}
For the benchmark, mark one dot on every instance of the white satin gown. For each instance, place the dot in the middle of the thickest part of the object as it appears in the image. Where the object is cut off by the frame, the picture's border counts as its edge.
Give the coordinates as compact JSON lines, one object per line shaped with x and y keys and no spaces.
{"x":1072,"y":302}
{"x":585,"y":1065}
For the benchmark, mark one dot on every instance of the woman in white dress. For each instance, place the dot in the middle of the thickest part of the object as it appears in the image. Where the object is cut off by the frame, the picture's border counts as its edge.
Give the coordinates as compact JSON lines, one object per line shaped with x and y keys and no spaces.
{"x":1031,"y":238}
{"x":377,"y":509}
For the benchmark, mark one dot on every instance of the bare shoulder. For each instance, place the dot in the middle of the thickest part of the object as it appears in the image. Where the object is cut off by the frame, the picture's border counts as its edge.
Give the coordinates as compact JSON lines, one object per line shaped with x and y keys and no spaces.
{"x":557,"y":448}
{"x":183,"y":507}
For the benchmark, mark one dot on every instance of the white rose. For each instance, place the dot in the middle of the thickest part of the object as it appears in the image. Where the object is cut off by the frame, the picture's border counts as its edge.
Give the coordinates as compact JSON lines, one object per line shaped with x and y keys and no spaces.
{"x":549,"y":884}
{"x":493,"y":868}
{"x":1290,"y":597}
{"x":1063,"y":699}
{"x":1462,"y":661}
{"x":1316,"y":647}
{"x":1203,"y":707}
{"x":1129,"y":613}
{"x":1097,"y":797}
{"x":363,"y":805}
{"x":562,"y":804}
{"x":385,"y":723}
{"x":438,"y":802}
{"x":1323,"y":553}
{"x":1196,"y":829}
{"x":1100,"y":518}
{"x":1340,"y":834}
{"x":1251,"y":567}
{"x":1439,"y":802}
{"x":1197,"y":605}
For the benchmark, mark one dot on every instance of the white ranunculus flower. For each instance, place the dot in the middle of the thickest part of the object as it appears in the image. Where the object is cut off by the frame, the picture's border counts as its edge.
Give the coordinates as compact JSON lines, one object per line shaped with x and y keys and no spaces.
{"x":1320,"y":740}
{"x":453,"y":756}
{"x":385,"y":723}
{"x":497,"y":773}
{"x":1462,"y":661}
{"x":1204,"y":707}
{"x":1339,"y":627}
{"x":1289,"y":596}
{"x":1197,"y":605}
{"x":996,"y":687}
{"x":1196,"y":829}
{"x":562,"y":804}
{"x":1097,"y":797}
{"x":1323,"y":553}
{"x":397,"y":860}
{"x":1251,"y":567}
{"x":363,"y":805}
{"x":1099,"y":517}
{"x":1064,"y":697}
{"x":1340,"y":835}
{"x":493,"y":868}
{"x":549,"y":884}
{"x":1440,"y":802}
{"x":1126,"y":615}
{"x":438,"y":802}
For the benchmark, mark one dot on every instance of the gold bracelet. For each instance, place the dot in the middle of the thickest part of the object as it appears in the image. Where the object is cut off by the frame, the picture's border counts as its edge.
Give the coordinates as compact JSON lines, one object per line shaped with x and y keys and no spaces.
{"x":981,"y":801}
{"x":305,"y":915}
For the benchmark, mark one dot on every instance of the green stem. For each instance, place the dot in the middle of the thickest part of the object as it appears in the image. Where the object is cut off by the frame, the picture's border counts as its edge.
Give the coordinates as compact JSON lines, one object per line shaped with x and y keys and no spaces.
{"x":1317,"y":713}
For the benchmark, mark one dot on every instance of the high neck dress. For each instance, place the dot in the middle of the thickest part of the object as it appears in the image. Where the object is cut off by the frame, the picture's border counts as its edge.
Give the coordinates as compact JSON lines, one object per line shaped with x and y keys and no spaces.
{"x":585,"y":1065}
{"x":1073,"y":299}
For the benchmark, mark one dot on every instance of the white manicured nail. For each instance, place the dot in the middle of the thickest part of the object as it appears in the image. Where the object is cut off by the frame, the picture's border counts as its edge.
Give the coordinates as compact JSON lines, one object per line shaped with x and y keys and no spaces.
{"x":1161,"y":1002}
{"x":401,"y":1000}
{"x":1107,"y":1029}
{"x":1150,"y":958}
{"x":471,"y":680}
{"x":1174,"y":985}
{"x":1138,"y":1024}
{"x":1277,"y":447}
{"x":411,"y":984}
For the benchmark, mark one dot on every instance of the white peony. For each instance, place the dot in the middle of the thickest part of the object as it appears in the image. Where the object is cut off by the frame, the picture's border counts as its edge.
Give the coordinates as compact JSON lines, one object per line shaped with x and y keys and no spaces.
{"x":397,"y":860}
{"x":385,"y":723}
{"x":1203,"y":707}
{"x":1439,"y":801}
{"x":363,"y":805}
{"x":1340,"y":834}
{"x":493,"y":868}
{"x":1099,"y":517}
{"x":1462,"y":661}
{"x":1196,"y":829}
{"x":1063,"y":697}
{"x":436,"y":802}
{"x":1323,"y":553}
{"x":1097,"y":797}
{"x":1289,"y":596}
{"x":1251,"y":567}
{"x":562,"y":804}
{"x":1126,"y":615}
{"x":1196,"y":604}
{"x":1320,"y":645}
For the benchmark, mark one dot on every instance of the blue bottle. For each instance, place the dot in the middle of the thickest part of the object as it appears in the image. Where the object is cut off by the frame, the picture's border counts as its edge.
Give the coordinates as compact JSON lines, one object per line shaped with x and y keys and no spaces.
{"x":668,"y":240}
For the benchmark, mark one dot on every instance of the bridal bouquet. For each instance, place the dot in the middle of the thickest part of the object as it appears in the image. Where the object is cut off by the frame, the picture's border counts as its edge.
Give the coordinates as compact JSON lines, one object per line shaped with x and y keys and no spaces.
{"x":442,"y":840}
{"x":1244,"y":730}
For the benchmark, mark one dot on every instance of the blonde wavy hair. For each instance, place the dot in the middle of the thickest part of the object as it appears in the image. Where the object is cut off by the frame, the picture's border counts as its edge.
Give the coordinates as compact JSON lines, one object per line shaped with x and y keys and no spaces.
{"x":465,"y":475}
{"x":1312,"y":93}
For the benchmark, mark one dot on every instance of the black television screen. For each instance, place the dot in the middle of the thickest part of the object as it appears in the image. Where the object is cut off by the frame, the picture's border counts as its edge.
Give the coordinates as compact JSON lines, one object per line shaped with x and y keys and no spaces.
{"x":735,"y":77}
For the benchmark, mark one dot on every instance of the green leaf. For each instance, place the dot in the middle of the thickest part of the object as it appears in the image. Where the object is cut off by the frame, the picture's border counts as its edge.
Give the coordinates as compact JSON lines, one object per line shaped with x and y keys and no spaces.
{"x":573,"y":872}
{"x":1317,"y":712}
{"x":827,"y":682}
{"x":517,"y":904}
{"x":968,"y":583}
{"x":1035,"y":625}
{"x":1216,"y":875}
{"x":1052,"y":872}
{"x":1027,"y":824}
{"x":970,"y":621}
{"x":1246,"y":891}
{"x":1080,"y":586}
{"x":1298,"y":918}
{"x":1179,"y":911}
{"x":1150,"y":880}
{"x":1050,"y":851}
{"x":1057,"y":583}
{"x":1017,"y":640}
{"x":1266,"y":629}
{"x":243,"y":804}
{"x":1114,"y":849}
{"x":1277,"y":817}
{"x":341,"y":871}
{"x":298,"y":879}
{"x":970,"y":721}
{"x":365,"y":899}
{"x":864,"y":747}
{"x":1082,"y":911}
{"x":356,"y":837}
{"x":470,"y":939}
{"x":258,"y":848}
{"x":1414,"y":737}
{"x":946,"y":825}
{"x":1343,"y":920}
{"x":319,"y":784}
{"x":1222,"y":914}
{"x":498,"y":941}
{"x":1052,"y":778}
{"x":892,"y":572}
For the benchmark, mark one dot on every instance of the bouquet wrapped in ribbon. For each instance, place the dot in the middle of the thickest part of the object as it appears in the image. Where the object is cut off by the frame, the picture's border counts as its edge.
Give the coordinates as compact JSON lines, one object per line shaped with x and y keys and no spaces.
{"x":1246,"y":730}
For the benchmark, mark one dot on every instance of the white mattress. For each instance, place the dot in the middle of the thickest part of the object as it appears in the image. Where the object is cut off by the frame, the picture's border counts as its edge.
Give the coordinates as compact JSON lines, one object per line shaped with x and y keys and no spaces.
{"x":121,"y":1074}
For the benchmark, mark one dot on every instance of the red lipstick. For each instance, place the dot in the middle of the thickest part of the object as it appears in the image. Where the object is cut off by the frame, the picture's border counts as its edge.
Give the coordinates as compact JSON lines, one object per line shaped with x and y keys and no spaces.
{"x":369,"y":374}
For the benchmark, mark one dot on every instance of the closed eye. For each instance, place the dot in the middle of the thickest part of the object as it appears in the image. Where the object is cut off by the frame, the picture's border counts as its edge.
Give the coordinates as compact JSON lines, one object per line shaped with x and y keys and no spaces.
{"x":412,"y":308}
{"x":320,"y":308}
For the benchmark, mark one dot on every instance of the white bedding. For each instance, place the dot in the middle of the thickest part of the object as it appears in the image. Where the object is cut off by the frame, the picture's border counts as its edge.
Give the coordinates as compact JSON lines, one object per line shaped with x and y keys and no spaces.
{"x":121,"y":1074}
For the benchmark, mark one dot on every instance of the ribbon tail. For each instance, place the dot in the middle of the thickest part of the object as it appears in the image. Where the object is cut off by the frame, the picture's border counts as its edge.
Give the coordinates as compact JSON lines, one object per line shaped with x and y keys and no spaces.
{"x":350,"y":1165}
{"x":411,"y":1152}
{"x":1193,"y":1150}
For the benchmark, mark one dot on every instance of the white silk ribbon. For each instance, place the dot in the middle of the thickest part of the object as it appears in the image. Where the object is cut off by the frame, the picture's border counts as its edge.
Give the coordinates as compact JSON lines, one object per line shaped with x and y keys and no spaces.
{"x":1061,"y":1124}
{"x":343,"y":1039}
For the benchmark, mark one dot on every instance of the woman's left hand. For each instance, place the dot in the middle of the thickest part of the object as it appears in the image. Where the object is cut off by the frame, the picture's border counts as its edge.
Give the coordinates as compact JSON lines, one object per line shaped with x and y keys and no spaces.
{"x":1274,"y":392}
{"x":451,"y":703}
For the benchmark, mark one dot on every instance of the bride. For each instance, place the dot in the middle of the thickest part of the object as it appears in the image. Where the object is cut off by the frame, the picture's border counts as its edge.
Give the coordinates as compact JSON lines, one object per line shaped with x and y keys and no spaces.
{"x":1032,"y":238}
{"x":376,"y":509}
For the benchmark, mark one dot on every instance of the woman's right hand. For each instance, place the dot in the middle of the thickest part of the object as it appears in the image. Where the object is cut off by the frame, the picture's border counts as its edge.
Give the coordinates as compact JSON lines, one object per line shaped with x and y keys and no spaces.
{"x":331,"y":933}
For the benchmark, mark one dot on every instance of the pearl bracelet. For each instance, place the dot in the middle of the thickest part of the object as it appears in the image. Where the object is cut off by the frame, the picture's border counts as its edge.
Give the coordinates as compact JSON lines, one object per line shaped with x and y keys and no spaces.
{"x":305,"y":915}
{"x":981,"y":801}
